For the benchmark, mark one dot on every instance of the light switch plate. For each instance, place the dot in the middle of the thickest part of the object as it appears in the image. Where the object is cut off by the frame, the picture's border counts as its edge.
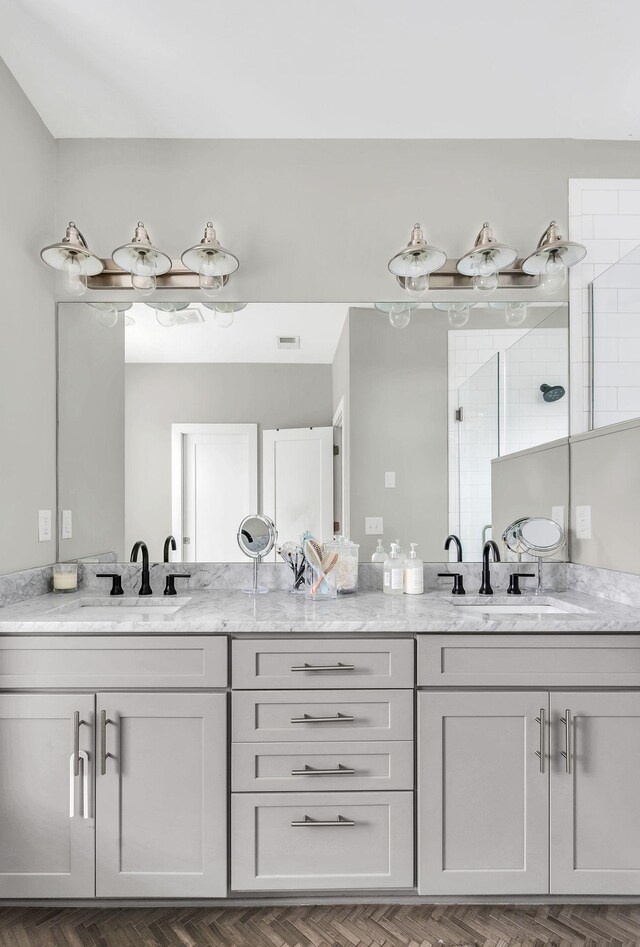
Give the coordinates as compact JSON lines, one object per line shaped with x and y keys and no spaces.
{"x":373,"y":525}
{"x":44,"y":526}
{"x":390,"y":478}
{"x":66,"y":526}
{"x":583,"y":522}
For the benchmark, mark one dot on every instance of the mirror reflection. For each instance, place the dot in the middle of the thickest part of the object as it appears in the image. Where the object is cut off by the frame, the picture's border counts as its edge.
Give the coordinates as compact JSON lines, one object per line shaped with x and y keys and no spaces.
{"x":379,"y":422}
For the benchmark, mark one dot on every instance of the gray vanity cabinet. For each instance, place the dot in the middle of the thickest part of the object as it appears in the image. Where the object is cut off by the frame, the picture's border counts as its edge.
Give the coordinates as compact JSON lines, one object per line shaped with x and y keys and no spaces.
{"x":483,"y":791}
{"x":47,"y":818}
{"x":595,"y":793}
{"x":161,"y":795}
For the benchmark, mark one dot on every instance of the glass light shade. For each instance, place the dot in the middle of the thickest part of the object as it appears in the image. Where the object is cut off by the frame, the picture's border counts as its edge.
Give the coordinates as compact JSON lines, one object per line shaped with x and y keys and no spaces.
{"x":400,"y":317}
{"x":210,"y":285}
{"x":485,"y":285}
{"x":107,"y":313}
{"x":458,"y":315}
{"x":393,"y":307}
{"x":223,"y":313}
{"x":515,"y":314}
{"x":74,"y":280}
{"x":166,"y":312}
{"x":416,"y":285}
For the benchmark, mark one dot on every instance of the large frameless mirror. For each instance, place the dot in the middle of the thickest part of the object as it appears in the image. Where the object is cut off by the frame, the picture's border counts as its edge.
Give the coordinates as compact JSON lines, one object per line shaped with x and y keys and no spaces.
{"x":380,"y":422}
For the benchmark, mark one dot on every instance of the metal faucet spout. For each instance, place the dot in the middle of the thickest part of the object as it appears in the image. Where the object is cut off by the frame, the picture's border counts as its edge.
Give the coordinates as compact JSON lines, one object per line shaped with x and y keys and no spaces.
{"x":145,"y":587}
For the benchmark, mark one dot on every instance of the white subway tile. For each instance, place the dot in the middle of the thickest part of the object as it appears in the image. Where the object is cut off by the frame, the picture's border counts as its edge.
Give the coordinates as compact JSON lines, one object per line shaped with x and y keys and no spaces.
{"x":600,"y":202}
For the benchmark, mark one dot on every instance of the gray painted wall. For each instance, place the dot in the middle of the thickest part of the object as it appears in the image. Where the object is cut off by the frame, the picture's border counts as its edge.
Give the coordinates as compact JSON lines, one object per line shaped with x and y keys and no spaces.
{"x":398,"y":422}
{"x":605,"y":475}
{"x":27,"y":329}
{"x":90,"y":432}
{"x":158,"y":395}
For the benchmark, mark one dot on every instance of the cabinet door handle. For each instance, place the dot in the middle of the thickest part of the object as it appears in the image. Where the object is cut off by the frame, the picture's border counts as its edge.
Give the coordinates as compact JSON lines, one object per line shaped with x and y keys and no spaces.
{"x":337,"y":718}
{"x":104,"y":753}
{"x":567,"y":752}
{"x":308,"y":823}
{"x":81,"y":761}
{"x":76,"y":743}
{"x":340,"y":770}
{"x":540,"y":753}
{"x":324,"y":667}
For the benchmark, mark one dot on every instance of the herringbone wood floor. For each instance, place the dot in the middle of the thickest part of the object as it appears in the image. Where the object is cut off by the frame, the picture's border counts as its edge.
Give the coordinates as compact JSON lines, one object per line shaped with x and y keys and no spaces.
{"x":324,"y":926}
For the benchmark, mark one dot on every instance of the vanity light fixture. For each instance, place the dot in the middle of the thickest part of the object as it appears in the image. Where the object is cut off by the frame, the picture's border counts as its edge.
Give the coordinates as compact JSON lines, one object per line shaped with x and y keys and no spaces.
{"x":223,"y":313}
{"x":213,"y":264}
{"x":485,"y":260}
{"x":515,"y":314}
{"x":399,"y":313}
{"x":457,"y":313}
{"x":166,"y":312}
{"x":412,"y":266}
{"x":552,"y":258}
{"x":74,"y":259}
{"x":107,"y":313}
{"x":142,"y":260}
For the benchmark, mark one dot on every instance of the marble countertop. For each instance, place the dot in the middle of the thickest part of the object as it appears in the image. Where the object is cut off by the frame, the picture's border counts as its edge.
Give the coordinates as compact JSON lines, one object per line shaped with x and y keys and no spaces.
{"x":232,"y":612}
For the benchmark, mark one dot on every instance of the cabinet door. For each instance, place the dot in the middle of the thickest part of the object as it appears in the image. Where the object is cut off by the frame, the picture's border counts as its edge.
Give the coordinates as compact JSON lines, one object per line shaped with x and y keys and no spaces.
{"x":595,"y":793}
{"x":46,"y":812}
{"x":483,"y":793}
{"x":161,"y":790}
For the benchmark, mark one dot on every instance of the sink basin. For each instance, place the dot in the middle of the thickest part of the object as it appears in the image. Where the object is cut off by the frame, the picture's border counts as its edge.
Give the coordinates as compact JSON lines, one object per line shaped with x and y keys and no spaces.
{"x":509,"y":609}
{"x":123,"y":609}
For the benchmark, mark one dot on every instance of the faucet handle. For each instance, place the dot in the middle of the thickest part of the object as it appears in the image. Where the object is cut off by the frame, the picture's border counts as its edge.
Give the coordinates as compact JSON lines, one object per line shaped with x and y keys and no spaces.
{"x":170,"y":588}
{"x":116,"y":584}
{"x":458,"y":587}
{"x":514,"y":582}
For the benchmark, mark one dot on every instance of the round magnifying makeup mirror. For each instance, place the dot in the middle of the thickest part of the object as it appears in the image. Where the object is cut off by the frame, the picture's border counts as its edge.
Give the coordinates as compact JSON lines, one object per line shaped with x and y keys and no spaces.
{"x":257,"y":536}
{"x":535,"y":536}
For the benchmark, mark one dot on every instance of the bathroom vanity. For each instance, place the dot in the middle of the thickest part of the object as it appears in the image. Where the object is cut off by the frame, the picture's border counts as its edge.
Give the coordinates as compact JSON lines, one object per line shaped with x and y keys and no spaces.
{"x":237,"y":748}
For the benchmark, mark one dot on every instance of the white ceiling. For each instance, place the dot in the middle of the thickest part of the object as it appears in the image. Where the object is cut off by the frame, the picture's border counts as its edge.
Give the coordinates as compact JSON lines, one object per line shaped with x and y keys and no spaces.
{"x":327,"y":68}
{"x":251,"y":338}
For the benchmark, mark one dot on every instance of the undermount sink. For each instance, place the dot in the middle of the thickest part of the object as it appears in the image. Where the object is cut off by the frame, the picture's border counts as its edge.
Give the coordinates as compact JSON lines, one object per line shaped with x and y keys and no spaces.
{"x":123,"y":609}
{"x":506,"y":609}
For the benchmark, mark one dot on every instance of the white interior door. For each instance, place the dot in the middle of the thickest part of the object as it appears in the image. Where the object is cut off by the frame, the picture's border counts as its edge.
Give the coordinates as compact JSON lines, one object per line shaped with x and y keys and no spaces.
{"x":215,"y":485}
{"x":297,"y":481}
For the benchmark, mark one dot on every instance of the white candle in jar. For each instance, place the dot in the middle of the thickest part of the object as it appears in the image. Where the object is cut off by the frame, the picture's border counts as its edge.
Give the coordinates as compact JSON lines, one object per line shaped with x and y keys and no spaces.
{"x":65,"y":581}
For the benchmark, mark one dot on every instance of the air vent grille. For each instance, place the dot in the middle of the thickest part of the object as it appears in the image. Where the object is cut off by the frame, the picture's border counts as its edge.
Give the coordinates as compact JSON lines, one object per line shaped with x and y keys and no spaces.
{"x":186,"y":317}
{"x":288,"y":341}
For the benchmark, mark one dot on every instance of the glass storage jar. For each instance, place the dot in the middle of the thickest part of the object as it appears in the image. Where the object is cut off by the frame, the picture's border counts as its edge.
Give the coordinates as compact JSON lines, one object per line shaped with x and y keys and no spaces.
{"x":347,"y":566}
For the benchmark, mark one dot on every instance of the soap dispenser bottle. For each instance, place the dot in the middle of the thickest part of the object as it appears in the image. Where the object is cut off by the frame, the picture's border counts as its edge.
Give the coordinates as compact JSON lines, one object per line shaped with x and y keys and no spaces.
{"x":413,"y":573}
{"x":379,"y":555}
{"x":393,"y":573}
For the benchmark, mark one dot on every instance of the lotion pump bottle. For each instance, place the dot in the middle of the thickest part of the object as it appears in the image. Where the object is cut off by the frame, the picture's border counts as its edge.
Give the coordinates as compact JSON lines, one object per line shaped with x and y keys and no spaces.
{"x":379,"y":555}
{"x":393,"y":573}
{"x":413,"y":573}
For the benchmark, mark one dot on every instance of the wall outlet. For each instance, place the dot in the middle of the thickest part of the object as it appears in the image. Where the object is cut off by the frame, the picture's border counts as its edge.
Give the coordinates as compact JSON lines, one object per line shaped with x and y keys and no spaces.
{"x":373,"y":526}
{"x":583,"y":522}
{"x":44,"y":526}
{"x":66,"y":525}
{"x":557,"y":515}
{"x":390,"y":478}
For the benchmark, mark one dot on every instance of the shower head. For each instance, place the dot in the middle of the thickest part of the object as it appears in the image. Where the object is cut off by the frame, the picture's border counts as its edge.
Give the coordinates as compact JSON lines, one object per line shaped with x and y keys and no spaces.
{"x":552,"y":392}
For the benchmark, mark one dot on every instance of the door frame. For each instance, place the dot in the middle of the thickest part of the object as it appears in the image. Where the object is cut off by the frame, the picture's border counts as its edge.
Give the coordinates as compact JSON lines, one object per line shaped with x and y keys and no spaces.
{"x":178,"y":432}
{"x":341,"y":420}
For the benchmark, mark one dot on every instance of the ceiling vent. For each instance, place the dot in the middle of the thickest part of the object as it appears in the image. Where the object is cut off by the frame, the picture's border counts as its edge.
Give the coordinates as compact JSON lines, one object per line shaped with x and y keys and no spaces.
{"x":187,"y":317}
{"x":288,"y":341}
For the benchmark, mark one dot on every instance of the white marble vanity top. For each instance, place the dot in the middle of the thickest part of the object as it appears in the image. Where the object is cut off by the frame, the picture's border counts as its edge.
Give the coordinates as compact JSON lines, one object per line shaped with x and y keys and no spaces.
{"x":232,"y":612}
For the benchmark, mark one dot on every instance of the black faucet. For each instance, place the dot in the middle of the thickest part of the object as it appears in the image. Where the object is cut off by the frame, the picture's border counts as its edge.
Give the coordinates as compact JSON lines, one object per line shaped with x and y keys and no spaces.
{"x":489,"y":546}
{"x":145,"y":588}
{"x":169,"y":543}
{"x":454,"y":539}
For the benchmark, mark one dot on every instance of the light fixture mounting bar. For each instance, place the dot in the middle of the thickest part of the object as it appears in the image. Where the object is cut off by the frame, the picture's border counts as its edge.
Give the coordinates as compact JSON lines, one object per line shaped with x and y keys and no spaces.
{"x":178,"y":277}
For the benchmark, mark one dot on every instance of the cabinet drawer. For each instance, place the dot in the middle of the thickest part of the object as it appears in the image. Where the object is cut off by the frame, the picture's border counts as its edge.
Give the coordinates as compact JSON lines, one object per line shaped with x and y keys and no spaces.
{"x":321,"y":841}
{"x":290,"y":767}
{"x":321,"y":663}
{"x":123,"y":661}
{"x":538,"y":660}
{"x":300,"y":716}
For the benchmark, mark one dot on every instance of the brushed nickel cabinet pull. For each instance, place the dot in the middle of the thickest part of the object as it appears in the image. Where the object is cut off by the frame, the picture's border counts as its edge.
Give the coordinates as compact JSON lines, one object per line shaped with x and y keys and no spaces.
{"x":324,"y":667}
{"x":568,"y":749}
{"x":337,"y":718}
{"x":308,"y":823}
{"x":76,"y":743}
{"x":104,"y":754}
{"x":81,"y":759}
{"x":307,"y":770}
{"x":540,"y":753}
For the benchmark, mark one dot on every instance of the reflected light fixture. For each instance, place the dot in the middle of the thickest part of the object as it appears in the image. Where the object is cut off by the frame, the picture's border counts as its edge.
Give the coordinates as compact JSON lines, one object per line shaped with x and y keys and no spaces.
{"x":166,"y":312}
{"x":485,"y":260}
{"x":142,"y":260}
{"x":412,"y":266}
{"x":515,"y":314}
{"x":107,"y":313}
{"x":74,"y":260}
{"x":457,"y":313}
{"x":223,"y":313}
{"x":399,"y":313}
{"x":552,"y":258}
{"x":213,"y":264}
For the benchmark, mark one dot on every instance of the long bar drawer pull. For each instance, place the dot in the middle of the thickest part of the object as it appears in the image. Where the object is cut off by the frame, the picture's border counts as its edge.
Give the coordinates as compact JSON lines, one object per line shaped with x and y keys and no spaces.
{"x":324,"y":667}
{"x":337,"y":718}
{"x":307,"y":822}
{"x":82,"y":760}
{"x":540,"y":753}
{"x":104,"y":753}
{"x":567,"y":750}
{"x":340,"y":770}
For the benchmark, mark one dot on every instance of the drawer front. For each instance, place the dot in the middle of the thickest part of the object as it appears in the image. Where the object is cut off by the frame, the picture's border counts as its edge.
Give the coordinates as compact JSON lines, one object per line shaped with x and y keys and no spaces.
{"x":301,"y":716}
{"x":292,"y":767}
{"x":123,"y":661}
{"x":322,"y":663}
{"x":539,"y":660}
{"x":321,"y":841}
